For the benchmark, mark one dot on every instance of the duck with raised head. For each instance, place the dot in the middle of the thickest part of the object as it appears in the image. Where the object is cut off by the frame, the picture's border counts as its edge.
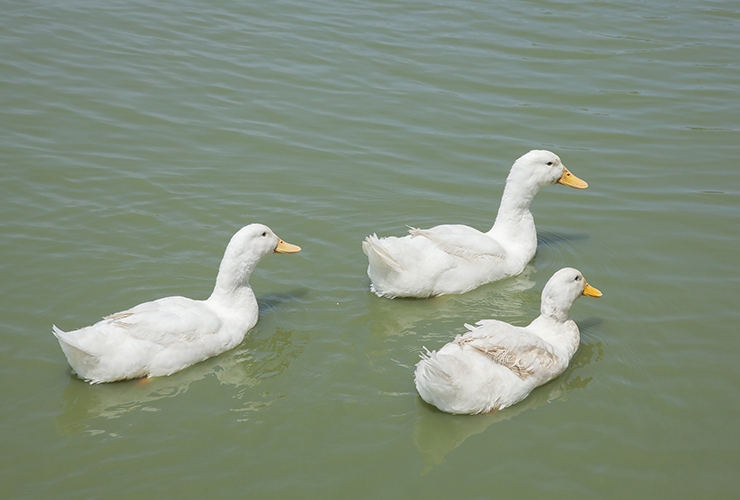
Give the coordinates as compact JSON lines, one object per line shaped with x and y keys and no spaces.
{"x":455,"y":258}
{"x":495,"y":365}
{"x":167,"y":335}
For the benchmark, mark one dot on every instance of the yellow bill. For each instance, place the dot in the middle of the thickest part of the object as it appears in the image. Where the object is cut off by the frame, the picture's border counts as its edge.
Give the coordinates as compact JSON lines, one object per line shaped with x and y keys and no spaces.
{"x":283,"y":247}
{"x":568,"y":179}
{"x":590,"y":291}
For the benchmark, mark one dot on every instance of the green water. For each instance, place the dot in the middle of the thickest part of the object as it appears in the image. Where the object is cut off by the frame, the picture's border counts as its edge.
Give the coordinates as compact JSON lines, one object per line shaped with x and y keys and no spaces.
{"x":137,"y":137}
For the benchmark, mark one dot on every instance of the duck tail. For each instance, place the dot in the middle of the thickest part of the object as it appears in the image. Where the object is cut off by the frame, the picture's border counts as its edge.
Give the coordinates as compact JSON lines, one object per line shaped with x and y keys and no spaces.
{"x":66,"y":338}
{"x":435,"y":379}
{"x":382,"y":268}
{"x":83,"y":361}
{"x":378,"y":254}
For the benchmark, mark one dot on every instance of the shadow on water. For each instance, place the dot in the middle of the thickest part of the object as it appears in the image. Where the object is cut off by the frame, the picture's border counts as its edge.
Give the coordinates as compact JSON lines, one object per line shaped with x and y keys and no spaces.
{"x":437,"y":433}
{"x":244,"y":367}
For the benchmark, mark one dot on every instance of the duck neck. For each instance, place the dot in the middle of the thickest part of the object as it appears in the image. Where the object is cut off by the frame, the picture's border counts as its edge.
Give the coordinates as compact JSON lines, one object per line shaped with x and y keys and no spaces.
{"x":232,"y":282}
{"x":562,"y":335}
{"x":554,"y":309}
{"x":514,"y":222}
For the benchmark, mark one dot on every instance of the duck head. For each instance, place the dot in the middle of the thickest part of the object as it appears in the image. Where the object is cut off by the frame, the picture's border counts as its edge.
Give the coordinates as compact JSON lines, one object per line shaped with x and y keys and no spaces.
{"x":257,"y":241}
{"x":561,"y":292}
{"x":542,"y":168}
{"x":246,"y":248}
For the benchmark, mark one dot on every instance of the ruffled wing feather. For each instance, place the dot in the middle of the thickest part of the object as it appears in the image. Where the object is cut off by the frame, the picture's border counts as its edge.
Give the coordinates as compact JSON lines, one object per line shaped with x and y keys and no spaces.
{"x":521,"y":352}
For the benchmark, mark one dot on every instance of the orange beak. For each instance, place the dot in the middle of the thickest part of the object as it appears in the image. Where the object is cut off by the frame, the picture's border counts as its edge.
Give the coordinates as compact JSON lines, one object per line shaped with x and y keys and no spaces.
{"x":571,"y":180}
{"x":283,"y":247}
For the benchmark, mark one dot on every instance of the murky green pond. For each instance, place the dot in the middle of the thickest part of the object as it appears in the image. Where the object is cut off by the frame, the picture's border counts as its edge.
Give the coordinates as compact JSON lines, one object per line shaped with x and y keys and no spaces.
{"x":137,"y":137}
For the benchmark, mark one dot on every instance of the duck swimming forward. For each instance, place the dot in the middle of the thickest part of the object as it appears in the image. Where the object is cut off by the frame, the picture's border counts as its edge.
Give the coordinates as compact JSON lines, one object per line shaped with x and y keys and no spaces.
{"x":166,"y":335}
{"x":495,"y":364}
{"x":455,"y":258}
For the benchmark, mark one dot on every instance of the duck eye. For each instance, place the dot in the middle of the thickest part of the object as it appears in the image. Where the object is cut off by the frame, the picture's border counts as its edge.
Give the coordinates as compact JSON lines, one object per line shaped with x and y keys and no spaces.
{"x":578,"y":278}
{"x":549,"y":164}
{"x":264,"y":233}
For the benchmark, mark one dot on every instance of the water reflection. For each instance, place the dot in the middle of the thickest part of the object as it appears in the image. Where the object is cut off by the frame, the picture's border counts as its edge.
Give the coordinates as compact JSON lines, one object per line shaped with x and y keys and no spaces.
{"x":504,"y":300}
{"x":273,"y":301}
{"x":436,"y":433}
{"x":258,"y":358}
{"x":547,"y":238}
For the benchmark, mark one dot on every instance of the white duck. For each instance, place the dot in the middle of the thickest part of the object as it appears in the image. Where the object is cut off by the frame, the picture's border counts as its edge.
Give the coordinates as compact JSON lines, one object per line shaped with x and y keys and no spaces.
{"x":166,"y":335}
{"x":496,"y":364}
{"x":455,"y":258}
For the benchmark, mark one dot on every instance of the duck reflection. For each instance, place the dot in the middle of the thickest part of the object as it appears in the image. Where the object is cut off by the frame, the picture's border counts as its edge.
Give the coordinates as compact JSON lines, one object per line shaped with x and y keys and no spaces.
{"x":503,"y":299}
{"x":258,"y":358}
{"x":436,"y":433}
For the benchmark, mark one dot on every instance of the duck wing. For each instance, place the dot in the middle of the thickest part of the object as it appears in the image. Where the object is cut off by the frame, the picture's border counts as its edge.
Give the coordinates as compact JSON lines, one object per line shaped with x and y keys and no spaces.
{"x":168,"y":321}
{"x":462,"y":241}
{"x":523,"y":353}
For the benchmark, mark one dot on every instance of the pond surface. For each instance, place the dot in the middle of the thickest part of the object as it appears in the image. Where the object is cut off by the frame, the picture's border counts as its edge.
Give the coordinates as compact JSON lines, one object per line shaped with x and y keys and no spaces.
{"x":137,"y":137}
